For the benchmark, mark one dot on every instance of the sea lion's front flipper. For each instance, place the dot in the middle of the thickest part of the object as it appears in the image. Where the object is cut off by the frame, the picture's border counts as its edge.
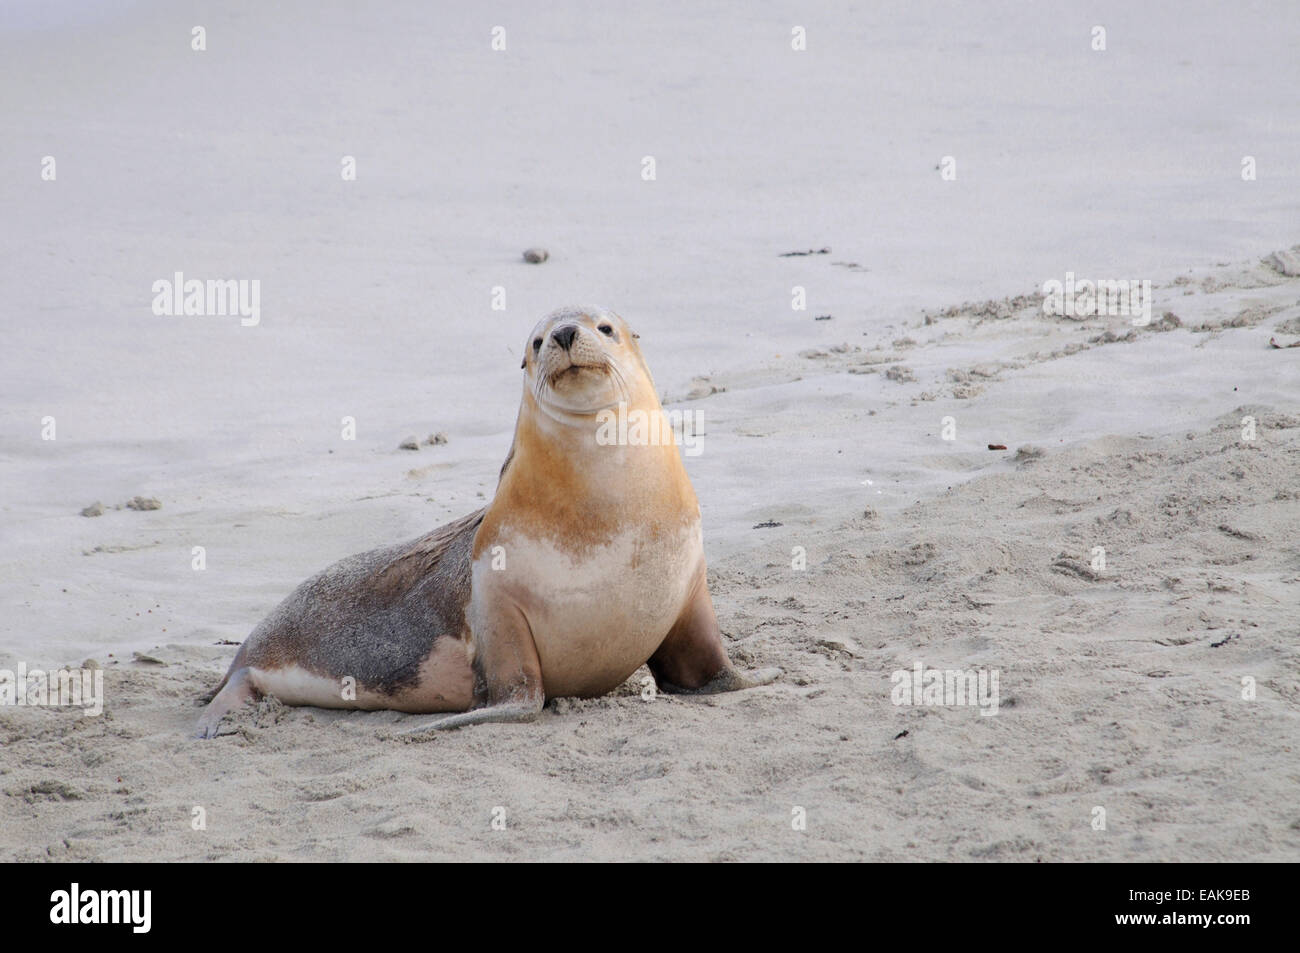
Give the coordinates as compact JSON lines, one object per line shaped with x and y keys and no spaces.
{"x":692,"y":660}
{"x":507,"y":675}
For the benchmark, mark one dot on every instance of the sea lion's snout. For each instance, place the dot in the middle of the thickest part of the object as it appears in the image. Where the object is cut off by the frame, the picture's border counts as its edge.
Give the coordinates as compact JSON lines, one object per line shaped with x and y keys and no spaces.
{"x":570,"y":349}
{"x":564,"y":336}
{"x":580,"y":361}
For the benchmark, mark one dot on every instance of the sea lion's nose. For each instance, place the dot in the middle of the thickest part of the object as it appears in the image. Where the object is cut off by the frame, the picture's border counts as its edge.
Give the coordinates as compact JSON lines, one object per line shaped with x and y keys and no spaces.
{"x":564,"y":336}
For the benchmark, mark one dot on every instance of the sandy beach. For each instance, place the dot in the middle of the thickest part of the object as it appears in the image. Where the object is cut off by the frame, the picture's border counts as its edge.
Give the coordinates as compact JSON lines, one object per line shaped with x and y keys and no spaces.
{"x":1126,"y":562}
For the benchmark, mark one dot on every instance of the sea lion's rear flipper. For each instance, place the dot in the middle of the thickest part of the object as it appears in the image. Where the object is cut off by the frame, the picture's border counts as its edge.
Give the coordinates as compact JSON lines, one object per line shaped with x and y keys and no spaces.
{"x":691,"y":660}
{"x":236,"y":689}
{"x":507,"y":675}
{"x":511,"y":712}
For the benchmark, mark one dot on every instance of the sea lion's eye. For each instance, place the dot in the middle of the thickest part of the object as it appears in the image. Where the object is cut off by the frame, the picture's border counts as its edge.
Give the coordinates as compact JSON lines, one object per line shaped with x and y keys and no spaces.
{"x":537,"y":345}
{"x":606,"y":329}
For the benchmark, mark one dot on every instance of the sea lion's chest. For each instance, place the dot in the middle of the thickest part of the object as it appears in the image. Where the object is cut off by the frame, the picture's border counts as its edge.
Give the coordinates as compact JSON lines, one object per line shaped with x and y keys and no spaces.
{"x":596,"y":609}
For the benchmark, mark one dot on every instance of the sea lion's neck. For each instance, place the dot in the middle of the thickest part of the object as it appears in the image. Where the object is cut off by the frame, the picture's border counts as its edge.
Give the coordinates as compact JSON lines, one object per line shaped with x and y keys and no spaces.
{"x":625,"y":454}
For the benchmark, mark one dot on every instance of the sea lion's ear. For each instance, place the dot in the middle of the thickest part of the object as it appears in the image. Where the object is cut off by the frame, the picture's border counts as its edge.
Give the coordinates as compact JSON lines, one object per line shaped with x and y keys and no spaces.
{"x":524,"y":362}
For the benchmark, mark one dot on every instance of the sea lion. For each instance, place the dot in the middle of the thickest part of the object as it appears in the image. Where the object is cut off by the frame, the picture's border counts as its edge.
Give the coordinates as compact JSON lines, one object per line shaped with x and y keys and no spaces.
{"x":588,"y":563}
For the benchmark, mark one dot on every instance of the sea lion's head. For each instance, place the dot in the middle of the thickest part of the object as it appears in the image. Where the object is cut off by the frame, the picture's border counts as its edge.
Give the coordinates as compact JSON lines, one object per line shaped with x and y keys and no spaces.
{"x":580,"y":361}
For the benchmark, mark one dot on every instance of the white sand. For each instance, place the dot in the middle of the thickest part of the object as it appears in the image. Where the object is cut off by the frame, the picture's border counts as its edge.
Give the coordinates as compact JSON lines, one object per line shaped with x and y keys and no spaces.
{"x":1117,"y":688}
